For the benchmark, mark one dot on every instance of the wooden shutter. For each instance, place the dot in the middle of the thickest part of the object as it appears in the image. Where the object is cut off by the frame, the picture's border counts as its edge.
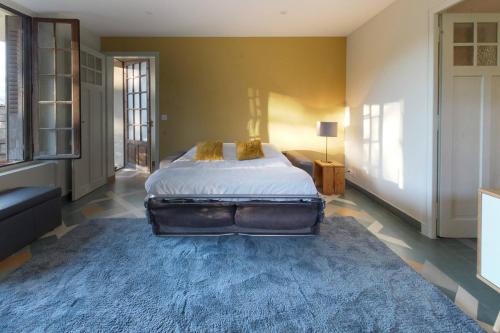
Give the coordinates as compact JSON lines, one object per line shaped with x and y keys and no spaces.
{"x":15,"y":87}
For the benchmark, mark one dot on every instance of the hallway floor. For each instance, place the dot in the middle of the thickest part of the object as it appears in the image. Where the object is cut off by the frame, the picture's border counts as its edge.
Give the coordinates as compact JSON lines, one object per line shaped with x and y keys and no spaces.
{"x":450,"y":264}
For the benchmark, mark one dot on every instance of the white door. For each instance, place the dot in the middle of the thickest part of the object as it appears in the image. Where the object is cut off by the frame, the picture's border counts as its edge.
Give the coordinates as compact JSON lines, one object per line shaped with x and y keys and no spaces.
{"x":469,"y":119}
{"x":89,"y":172}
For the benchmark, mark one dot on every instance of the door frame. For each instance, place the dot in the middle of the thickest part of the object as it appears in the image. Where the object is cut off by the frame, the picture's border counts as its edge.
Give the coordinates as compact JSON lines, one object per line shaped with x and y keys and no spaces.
{"x":154,"y":60}
{"x":429,"y":229}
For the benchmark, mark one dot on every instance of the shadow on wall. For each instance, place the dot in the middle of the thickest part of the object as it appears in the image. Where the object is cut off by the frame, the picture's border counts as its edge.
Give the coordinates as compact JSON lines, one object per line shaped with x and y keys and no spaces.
{"x":382,"y":142}
{"x":290,"y":124}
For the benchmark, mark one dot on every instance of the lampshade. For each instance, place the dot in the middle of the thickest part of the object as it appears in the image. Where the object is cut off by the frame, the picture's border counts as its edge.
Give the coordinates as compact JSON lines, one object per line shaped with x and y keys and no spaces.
{"x":326,"y":128}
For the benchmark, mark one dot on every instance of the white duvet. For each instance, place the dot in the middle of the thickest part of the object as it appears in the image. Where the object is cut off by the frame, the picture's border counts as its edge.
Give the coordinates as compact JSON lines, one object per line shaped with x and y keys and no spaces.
{"x":271,"y":176}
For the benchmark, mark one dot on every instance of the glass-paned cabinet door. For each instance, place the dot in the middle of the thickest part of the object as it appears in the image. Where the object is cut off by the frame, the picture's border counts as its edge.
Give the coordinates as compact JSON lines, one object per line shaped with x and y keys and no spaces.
{"x":56,"y":88}
{"x":92,"y":69}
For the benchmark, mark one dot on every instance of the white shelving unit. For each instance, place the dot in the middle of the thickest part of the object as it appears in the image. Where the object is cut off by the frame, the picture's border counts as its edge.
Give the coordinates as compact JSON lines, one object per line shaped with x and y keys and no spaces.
{"x":488,"y":251}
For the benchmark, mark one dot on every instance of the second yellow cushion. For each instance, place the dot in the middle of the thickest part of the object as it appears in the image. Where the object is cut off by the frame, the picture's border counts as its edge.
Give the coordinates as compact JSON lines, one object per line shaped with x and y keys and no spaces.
{"x":249,"y":150}
{"x":209,"y":151}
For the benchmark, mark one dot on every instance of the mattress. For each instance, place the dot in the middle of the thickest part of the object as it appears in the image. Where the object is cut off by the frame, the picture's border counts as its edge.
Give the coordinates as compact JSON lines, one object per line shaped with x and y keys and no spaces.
{"x":269,"y":177}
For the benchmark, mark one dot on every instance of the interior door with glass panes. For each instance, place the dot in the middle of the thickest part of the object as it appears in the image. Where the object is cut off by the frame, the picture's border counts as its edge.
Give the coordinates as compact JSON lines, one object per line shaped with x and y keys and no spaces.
{"x":137,"y":113}
{"x":469,"y":152}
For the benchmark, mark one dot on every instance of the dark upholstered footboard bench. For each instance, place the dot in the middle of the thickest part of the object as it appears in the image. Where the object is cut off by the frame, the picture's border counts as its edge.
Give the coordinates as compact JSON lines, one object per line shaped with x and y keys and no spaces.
{"x":289,"y":216}
{"x":27,"y":213}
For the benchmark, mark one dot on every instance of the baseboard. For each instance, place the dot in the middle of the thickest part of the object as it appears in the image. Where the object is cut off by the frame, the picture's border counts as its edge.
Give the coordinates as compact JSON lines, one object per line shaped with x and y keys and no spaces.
{"x":396,"y":211}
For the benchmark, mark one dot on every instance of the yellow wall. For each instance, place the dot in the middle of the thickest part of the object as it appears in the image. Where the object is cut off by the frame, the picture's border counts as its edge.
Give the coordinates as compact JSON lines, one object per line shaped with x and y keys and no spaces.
{"x":239,"y":88}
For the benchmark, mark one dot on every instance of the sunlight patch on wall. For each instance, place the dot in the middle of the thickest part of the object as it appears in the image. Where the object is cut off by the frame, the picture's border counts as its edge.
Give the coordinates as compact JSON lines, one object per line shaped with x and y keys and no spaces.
{"x":392,"y":139}
{"x":375,"y":139}
{"x":255,"y":109}
{"x":292,"y":125}
{"x":383,"y":142}
{"x":347,"y":117}
{"x":371,"y":139}
{"x":366,"y":138}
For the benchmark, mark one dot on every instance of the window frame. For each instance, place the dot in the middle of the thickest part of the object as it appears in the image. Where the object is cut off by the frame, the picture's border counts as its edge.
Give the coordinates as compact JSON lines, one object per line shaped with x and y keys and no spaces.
{"x":75,"y":87}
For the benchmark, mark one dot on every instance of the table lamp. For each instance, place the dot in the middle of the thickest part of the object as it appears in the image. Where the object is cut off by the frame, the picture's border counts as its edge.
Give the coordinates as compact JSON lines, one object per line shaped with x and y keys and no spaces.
{"x":326,"y":129}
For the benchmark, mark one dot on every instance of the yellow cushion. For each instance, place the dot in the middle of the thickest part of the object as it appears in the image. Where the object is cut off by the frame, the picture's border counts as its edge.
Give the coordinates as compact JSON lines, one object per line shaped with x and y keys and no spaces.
{"x":209,"y":151}
{"x":249,"y":150}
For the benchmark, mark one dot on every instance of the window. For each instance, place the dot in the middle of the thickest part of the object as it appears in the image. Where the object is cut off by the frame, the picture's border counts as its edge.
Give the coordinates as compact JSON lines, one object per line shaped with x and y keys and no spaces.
{"x":43,"y":122}
{"x":56,"y":95}
{"x":91,"y":69}
{"x":475,"y":44}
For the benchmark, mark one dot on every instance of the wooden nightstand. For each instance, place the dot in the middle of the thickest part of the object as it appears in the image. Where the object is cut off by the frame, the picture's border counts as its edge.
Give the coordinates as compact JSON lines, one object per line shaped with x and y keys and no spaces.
{"x":329,"y":177}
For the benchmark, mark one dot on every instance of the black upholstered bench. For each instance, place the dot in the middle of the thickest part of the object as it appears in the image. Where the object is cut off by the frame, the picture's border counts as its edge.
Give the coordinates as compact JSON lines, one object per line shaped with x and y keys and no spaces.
{"x":27,"y":213}
{"x":304,"y":159}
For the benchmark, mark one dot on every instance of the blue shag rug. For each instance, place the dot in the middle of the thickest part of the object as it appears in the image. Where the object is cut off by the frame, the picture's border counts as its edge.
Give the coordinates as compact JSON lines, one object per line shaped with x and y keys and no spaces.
{"x":115,"y":276}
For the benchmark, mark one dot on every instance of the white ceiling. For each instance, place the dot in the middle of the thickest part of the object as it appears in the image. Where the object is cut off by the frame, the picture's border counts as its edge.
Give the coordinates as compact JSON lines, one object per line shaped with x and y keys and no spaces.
{"x":214,"y":17}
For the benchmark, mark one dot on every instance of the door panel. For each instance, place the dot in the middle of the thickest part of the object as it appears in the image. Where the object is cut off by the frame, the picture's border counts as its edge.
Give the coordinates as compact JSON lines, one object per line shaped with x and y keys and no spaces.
{"x":97,"y":137}
{"x":89,"y":172}
{"x":465,"y":155}
{"x":131,"y":153}
{"x":469,"y":113}
{"x":142,"y":152}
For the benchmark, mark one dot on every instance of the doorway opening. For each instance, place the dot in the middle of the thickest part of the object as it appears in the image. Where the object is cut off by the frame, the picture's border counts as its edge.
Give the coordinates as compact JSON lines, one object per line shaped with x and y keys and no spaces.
{"x":134,"y":110}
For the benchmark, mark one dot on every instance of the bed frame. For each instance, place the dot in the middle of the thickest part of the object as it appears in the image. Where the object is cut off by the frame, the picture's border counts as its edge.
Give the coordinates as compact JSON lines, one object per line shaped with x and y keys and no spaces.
{"x":207,"y":215}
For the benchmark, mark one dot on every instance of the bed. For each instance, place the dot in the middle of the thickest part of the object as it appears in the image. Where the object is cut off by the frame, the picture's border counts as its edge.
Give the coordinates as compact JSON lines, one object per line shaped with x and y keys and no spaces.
{"x":261,"y":196}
